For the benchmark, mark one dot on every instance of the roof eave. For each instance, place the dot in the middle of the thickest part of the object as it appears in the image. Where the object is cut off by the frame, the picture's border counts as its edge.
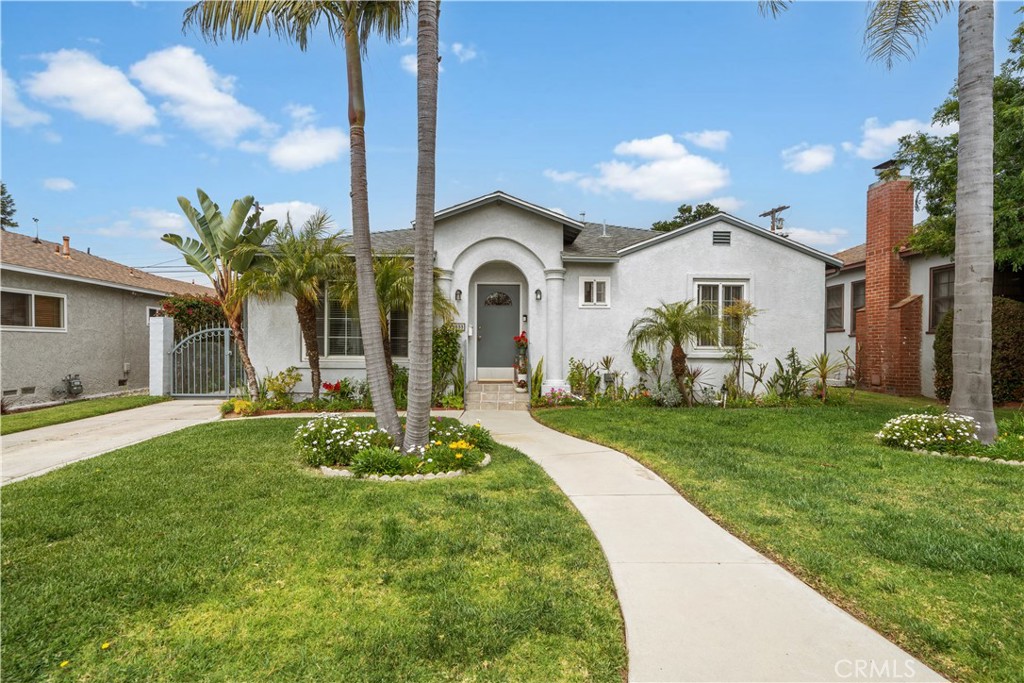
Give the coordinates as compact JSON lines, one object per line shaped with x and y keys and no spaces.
{"x":570,"y":258}
{"x":91,"y":281}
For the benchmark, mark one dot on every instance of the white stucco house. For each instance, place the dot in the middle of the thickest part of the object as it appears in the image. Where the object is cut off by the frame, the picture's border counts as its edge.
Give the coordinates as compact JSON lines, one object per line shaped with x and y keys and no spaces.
{"x":575,"y":288}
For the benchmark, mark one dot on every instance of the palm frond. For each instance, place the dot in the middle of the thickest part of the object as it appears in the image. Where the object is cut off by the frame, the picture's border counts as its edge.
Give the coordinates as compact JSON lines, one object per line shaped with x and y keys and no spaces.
{"x":237,"y":20}
{"x":773,"y":8}
{"x":896,"y":28}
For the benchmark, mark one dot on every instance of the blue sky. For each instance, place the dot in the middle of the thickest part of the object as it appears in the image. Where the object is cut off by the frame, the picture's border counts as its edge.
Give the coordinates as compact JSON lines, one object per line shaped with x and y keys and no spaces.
{"x":621,"y":110}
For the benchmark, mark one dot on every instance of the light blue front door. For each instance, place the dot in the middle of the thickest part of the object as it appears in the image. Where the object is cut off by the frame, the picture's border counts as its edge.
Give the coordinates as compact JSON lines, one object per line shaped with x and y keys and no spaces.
{"x":497,"y":322}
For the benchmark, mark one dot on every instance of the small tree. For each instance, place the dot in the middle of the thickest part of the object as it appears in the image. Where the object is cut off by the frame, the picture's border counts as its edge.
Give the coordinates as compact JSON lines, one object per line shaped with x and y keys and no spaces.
{"x":673,"y":325}
{"x":228,"y":246}
{"x":737,"y":318}
{"x":685,"y":215}
{"x":7,"y":208}
{"x":300,"y":263}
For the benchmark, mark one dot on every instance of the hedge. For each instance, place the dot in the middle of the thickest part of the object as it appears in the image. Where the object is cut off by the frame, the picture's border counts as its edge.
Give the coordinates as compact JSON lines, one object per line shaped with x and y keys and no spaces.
{"x":1007,"y":352}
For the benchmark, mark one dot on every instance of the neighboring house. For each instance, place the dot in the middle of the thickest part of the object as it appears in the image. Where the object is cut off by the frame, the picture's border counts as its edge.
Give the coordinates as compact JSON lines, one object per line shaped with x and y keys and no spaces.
{"x":885,"y":302}
{"x":575,"y":288}
{"x":67,"y":312}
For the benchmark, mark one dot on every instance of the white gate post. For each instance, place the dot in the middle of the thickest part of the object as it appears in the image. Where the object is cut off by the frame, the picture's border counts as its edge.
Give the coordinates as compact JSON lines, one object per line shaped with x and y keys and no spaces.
{"x":161,"y":344}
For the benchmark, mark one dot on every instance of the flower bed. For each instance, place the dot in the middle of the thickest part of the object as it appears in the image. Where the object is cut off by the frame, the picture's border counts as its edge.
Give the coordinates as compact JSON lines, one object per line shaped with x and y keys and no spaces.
{"x":953,"y":435}
{"x":358,"y":448}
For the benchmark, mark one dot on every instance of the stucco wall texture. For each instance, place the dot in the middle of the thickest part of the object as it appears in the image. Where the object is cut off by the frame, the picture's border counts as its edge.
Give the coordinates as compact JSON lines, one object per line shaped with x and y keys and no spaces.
{"x":504,"y":243}
{"x":106,"y":328}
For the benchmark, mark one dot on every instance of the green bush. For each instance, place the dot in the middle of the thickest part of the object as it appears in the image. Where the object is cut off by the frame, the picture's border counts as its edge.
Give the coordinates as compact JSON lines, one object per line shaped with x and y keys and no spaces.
{"x":401,"y":387}
{"x":281,"y":385}
{"x":334,"y":440}
{"x":444,"y":355}
{"x":381,"y":460}
{"x":1007,"y":352}
{"x":192,"y":313}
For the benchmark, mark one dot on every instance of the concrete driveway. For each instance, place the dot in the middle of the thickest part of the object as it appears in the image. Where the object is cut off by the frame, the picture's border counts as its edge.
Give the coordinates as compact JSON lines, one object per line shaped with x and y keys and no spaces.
{"x":38,"y":451}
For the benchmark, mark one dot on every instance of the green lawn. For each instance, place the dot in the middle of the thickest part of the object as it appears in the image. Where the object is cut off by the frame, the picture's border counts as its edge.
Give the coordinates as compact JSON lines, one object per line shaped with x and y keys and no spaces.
{"x":69,"y":412}
{"x":927,"y":550}
{"x":210,"y":554}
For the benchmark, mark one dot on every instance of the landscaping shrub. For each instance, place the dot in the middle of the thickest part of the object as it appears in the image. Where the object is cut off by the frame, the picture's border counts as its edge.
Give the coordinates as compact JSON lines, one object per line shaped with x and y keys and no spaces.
{"x":281,"y":385}
{"x":192,"y":313}
{"x":558,"y":397}
{"x":336,"y":441}
{"x":946,"y":433}
{"x":400,"y":390}
{"x":444,"y":355}
{"x":667,"y":395}
{"x":1007,"y":352}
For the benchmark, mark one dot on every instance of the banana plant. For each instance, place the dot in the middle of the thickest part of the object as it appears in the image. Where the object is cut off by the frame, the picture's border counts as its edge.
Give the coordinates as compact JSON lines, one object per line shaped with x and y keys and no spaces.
{"x":228,"y":247}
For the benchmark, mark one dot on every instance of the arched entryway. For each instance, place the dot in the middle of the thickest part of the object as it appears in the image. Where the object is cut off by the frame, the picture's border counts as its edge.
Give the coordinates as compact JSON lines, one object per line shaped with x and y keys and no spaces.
{"x":499,"y":304}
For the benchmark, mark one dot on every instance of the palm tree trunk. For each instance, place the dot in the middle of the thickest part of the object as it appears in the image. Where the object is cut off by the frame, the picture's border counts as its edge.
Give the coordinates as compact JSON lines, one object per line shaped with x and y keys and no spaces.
{"x":369,"y":310}
{"x":679,"y":368}
{"x":235,"y":323}
{"x":306,"y":313}
{"x":417,"y":424}
{"x":972,"y":295}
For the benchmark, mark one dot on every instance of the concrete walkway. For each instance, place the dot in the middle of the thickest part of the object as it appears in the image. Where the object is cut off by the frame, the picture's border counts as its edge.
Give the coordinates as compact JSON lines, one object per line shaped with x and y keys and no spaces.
{"x":699,"y":604}
{"x":37,"y":451}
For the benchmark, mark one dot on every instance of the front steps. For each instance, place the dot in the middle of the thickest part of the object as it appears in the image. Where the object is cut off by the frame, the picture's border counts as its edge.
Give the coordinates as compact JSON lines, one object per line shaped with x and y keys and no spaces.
{"x":495,"y":396}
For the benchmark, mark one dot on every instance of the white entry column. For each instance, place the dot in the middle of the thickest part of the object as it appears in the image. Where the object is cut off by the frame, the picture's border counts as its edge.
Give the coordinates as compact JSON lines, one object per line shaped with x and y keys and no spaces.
{"x":554,"y":372}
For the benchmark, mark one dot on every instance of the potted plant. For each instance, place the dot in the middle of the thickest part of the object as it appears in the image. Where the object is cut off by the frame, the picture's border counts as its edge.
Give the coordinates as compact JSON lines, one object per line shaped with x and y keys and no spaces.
{"x":521,"y":386}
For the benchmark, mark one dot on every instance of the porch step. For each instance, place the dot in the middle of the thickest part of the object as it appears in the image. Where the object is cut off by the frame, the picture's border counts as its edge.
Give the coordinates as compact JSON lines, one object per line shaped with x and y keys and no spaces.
{"x":495,"y":396}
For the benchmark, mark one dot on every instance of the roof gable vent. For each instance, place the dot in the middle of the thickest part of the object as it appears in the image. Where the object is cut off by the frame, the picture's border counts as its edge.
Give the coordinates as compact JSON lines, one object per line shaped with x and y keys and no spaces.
{"x":721,"y":237}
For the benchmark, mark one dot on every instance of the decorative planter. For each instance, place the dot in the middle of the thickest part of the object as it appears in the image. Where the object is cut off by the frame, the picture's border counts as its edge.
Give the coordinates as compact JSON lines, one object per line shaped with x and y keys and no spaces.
{"x":519,"y":389}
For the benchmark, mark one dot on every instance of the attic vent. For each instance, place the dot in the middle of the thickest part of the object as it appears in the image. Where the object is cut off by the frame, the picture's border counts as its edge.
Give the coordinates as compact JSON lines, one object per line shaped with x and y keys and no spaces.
{"x":723,"y":237}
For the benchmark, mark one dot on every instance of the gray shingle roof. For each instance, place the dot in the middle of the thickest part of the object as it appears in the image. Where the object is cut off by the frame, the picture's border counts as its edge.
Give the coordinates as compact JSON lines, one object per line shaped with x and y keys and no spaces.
{"x":595,"y":241}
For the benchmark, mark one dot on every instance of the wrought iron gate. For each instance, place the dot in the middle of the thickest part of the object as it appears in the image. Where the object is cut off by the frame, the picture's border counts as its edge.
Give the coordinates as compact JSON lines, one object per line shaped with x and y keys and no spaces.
{"x":206,"y":363}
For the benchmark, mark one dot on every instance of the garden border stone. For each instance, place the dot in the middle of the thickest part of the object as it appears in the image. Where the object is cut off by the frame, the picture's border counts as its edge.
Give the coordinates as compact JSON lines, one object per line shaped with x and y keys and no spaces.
{"x":348,"y":474}
{"x":976,"y":458}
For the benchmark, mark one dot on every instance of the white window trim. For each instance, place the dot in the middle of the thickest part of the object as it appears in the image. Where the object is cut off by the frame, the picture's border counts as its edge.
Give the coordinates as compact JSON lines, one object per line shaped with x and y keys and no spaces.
{"x":716,"y":351}
{"x":607,"y":292}
{"x":339,"y":360}
{"x":32,"y":312}
{"x":149,"y":313}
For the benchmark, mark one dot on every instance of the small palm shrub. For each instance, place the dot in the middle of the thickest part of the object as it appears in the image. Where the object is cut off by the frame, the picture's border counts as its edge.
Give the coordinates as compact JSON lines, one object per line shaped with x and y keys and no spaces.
{"x":946,"y":433}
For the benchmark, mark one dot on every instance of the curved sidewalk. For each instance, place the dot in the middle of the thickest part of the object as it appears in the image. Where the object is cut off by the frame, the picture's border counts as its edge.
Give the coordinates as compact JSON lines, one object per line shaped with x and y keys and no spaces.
{"x":699,"y":604}
{"x":38,"y":451}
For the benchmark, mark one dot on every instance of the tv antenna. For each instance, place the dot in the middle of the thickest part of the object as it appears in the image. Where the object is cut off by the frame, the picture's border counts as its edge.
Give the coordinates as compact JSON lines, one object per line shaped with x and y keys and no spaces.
{"x":776,"y":219}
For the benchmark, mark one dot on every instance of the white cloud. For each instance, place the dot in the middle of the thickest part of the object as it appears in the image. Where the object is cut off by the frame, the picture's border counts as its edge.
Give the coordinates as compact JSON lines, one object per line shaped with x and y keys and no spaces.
{"x":197,"y":95}
{"x":464,"y":53}
{"x":77,"y":81}
{"x":407,"y":41}
{"x":59,"y":184}
{"x":878,"y":141}
{"x":709,"y":139}
{"x":15,"y":113}
{"x":817,"y":238}
{"x":298,"y":210}
{"x":727,"y":204}
{"x":308,"y":147}
{"x":150,"y":224}
{"x":667,"y":172}
{"x":302,"y":114}
{"x":562,"y":176}
{"x":806,"y":158}
{"x":658,"y":147}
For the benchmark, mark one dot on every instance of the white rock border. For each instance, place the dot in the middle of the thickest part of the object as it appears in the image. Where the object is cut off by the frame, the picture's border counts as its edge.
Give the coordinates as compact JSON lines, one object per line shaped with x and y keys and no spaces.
{"x":348,"y":474}
{"x":976,"y":458}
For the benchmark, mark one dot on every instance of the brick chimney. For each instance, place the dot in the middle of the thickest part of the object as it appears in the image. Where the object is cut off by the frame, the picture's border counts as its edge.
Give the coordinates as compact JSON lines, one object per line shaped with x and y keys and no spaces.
{"x":890,"y":340}
{"x":67,"y":247}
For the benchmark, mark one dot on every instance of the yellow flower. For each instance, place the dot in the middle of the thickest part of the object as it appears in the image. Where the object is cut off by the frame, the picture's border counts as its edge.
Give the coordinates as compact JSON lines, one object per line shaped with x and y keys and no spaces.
{"x":104,"y":646}
{"x":458,"y":455}
{"x":64,"y":663}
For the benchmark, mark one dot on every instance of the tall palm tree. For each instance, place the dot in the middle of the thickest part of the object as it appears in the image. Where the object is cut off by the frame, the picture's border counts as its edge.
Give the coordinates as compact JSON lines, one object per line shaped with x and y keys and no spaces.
{"x":353,"y":22}
{"x":895,"y":29}
{"x":394,"y":280}
{"x":417,"y":422}
{"x":673,"y":325}
{"x":227,"y":248}
{"x":300,"y":263}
